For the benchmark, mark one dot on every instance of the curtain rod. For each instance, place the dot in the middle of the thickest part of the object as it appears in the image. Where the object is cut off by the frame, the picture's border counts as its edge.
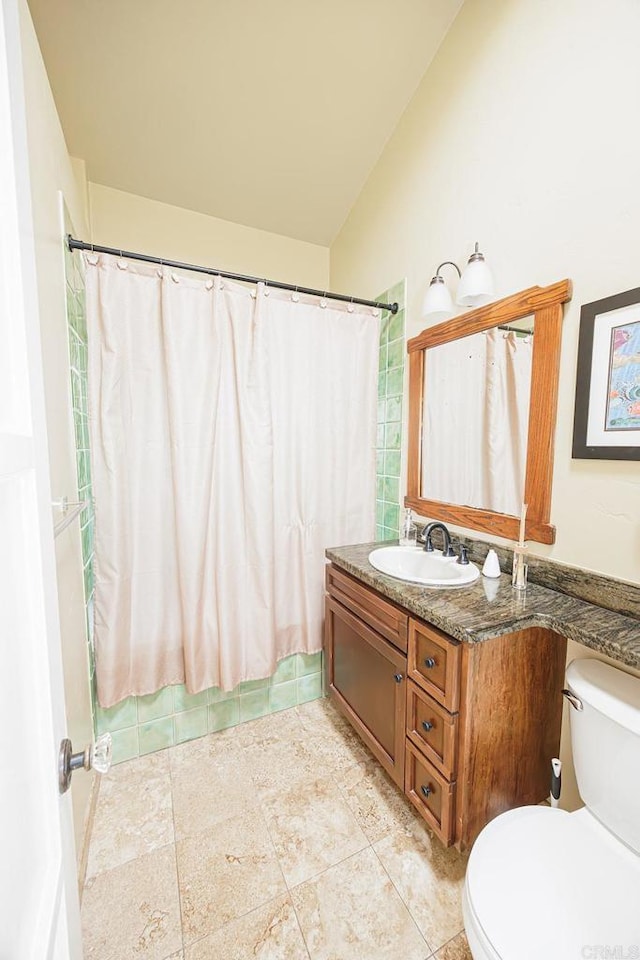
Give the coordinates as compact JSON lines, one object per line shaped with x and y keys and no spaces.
{"x":74,"y":244}
{"x":527,"y":333}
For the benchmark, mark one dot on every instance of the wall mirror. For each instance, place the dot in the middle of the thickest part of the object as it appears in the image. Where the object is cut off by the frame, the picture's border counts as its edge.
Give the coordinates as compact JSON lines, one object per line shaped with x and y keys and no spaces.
{"x":483,"y":393}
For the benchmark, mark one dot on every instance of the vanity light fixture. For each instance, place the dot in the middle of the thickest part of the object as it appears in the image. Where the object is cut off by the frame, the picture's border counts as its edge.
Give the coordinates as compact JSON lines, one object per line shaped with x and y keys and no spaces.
{"x":437,"y":304}
{"x":475,"y":288}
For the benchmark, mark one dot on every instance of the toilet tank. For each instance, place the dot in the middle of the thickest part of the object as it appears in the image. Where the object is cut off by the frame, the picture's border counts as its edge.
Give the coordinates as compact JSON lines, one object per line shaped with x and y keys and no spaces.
{"x":605,"y":738}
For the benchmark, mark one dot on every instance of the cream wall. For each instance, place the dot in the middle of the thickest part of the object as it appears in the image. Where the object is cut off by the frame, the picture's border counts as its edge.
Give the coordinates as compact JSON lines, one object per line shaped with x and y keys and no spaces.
{"x":79,"y":168}
{"x":522,"y":136}
{"x":51,"y":173}
{"x":123,"y":220}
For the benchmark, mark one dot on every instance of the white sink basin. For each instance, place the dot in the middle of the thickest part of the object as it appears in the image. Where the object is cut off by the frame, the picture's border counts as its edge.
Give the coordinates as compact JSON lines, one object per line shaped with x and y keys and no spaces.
{"x":414,"y":565}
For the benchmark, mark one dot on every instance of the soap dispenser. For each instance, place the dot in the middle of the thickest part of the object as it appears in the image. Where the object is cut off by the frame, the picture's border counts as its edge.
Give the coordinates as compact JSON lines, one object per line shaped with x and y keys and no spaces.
{"x":491,"y":566}
{"x":409,"y":531}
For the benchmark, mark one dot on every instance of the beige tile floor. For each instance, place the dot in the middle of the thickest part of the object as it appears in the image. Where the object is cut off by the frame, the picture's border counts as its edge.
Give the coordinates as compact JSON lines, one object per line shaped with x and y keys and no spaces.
{"x":280,"y":839}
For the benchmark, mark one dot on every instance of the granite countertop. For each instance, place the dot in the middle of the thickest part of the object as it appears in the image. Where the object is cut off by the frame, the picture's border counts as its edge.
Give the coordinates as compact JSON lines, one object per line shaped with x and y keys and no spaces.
{"x":489,"y":608}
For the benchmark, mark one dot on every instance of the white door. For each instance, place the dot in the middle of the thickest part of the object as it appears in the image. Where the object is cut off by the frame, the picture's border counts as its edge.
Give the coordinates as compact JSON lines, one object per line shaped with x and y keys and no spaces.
{"x":39,"y":917}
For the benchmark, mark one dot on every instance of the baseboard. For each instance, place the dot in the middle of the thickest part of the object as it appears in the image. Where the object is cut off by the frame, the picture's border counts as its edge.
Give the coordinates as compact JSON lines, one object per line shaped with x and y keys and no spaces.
{"x":83,"y":859}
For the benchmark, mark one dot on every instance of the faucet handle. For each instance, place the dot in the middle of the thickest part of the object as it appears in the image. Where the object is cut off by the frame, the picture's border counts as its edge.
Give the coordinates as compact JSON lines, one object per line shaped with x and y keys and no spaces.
{"x":463,"y":559}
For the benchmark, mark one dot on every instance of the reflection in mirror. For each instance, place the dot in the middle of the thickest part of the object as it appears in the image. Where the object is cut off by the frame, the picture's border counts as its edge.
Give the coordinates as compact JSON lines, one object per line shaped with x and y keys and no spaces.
{"x":485,"y":444}
{"x":475,"y":418}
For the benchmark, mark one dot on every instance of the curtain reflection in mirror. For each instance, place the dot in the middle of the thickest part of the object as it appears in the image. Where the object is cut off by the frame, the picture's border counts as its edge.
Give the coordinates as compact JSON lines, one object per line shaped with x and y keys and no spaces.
{"x":475,"y":420}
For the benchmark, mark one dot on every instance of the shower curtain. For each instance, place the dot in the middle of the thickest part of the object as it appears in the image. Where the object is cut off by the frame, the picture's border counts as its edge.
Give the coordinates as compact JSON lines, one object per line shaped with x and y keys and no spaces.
{"x":476,"y":419}
{"x":232,"y":441}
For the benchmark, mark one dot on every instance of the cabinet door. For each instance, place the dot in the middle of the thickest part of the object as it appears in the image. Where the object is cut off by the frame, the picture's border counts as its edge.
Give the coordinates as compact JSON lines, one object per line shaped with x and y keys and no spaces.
{"x":366,"y":677}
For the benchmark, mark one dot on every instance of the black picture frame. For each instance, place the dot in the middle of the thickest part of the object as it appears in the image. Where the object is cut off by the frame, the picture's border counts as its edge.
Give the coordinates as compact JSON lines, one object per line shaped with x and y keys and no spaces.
{"x":589,"y":314}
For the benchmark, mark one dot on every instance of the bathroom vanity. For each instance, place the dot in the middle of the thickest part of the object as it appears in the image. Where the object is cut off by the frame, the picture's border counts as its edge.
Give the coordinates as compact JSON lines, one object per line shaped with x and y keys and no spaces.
{"x":457,"y":692}
{"x":466,"y":729}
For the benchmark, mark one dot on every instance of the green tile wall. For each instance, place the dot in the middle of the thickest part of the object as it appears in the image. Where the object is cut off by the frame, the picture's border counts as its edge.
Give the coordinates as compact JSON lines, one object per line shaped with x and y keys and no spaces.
{"x":390,"y":394}
{"x":142,"y":725}
{"x":77,"y":336}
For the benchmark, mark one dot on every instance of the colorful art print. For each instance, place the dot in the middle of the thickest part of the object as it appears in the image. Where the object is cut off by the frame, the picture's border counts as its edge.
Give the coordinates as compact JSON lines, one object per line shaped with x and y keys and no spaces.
{"x":607,"y":411}
{"x":623,"y":398}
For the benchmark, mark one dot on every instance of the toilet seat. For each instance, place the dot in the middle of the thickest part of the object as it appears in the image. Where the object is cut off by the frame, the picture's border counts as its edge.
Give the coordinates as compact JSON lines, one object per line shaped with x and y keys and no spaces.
{"x":544,"y":883}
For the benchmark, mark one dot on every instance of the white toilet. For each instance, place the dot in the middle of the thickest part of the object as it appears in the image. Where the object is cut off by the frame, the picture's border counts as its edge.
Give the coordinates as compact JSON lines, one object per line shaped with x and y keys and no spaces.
{"x":544,"y":884}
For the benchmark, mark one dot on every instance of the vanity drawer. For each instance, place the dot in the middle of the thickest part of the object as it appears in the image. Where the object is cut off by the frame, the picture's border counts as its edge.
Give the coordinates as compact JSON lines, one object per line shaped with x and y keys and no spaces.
{"x":434,"y":663}
{"x":432,"y":729}
{"x":369,"y":606}
{"x":431,"y":794}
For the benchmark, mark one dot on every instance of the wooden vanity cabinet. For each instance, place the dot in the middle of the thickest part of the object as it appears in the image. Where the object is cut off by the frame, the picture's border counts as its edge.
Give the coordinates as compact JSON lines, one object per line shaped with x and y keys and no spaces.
{"x":508,"y":725}
{"x":467,"y":730}
{"x":365,"y":673}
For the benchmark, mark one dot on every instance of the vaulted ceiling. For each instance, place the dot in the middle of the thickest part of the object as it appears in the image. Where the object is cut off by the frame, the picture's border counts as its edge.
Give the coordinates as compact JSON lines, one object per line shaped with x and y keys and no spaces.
{"x":269,"y":114}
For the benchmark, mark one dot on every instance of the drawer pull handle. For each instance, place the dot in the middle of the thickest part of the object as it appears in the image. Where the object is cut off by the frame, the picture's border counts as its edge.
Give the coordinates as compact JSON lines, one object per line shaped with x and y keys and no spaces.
{"x":398,"y":678}
{"x":426,"y":791}
{"x":427,"y":725}
{"x":429,"y":663}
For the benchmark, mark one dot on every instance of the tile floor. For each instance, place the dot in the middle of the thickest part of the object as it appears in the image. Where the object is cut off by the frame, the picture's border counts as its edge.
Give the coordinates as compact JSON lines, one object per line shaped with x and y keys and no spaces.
{"x":280,"y":839}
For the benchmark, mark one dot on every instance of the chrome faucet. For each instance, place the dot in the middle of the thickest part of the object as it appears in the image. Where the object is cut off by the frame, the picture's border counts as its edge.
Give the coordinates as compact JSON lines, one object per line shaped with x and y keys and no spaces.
{"x":447,"y":549}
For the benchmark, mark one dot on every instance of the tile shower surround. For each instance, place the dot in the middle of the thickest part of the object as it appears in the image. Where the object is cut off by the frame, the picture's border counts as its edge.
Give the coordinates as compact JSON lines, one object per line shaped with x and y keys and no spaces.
{"x":141,"y":725}
{"x":77,"y":336}
{"x":390,"y":394}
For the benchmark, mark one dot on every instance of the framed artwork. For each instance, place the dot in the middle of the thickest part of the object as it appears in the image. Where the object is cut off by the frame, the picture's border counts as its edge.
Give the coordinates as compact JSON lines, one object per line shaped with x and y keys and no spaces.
{"x":607,"y":416}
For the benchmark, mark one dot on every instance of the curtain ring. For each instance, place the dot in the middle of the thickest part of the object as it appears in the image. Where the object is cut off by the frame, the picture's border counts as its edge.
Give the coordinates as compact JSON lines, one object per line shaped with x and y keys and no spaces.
{"x":266,"y":287}
{"x":351,"y":307}
{"x":294,"y":295}
{"x":323,"y":302}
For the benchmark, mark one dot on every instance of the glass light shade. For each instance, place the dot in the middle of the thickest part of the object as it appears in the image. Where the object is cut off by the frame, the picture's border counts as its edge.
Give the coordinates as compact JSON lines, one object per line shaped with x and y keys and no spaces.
{"x":476,"y":283}
{"x":437,"y":303}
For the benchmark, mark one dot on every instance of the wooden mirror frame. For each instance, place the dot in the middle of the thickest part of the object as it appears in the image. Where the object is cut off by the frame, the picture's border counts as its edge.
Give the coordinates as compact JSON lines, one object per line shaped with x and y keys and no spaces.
{"x":545,"y":303}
